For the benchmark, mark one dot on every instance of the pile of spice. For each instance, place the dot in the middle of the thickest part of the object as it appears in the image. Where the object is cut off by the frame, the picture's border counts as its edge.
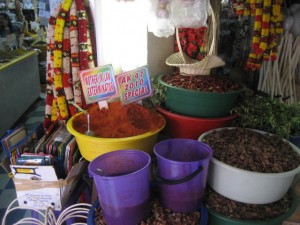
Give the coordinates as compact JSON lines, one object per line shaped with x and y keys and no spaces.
{"x":203,"y":83}
{"x":159,"y":216}
{"x":119,"y":121}
{"x":242,"y":211}
{"x":164,"y":216}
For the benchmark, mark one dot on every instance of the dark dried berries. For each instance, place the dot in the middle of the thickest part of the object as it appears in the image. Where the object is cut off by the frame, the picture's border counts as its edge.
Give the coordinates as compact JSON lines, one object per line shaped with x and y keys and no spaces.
{"x":242,"y":211}
{"x":159,"y":216}
{"x":249,"y":150}
{"x":203,"y":83}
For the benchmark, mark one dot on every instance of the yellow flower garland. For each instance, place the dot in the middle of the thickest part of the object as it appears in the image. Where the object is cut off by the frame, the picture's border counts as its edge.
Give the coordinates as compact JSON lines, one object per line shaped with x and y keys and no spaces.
{"x":57,"y":64}
{"x":54,"y":111}
{"x":247,"y":10}
{"x":265,"y":27}
{"x":267,"y":30}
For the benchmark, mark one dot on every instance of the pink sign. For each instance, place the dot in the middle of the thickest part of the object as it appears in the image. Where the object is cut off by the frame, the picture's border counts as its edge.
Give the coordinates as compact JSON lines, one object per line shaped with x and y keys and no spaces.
{"x":98,"y":83}
{"x":134,"y":85}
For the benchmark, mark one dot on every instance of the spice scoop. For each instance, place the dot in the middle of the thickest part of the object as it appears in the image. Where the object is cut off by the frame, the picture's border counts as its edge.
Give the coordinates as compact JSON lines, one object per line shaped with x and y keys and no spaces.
{"x":89,"y":132}
{"x":78,"y":107}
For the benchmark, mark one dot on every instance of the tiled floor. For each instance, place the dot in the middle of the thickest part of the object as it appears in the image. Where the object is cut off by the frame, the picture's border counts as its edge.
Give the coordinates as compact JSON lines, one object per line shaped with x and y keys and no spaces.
{"x":7,"y":195}
{"x":31,"y":119}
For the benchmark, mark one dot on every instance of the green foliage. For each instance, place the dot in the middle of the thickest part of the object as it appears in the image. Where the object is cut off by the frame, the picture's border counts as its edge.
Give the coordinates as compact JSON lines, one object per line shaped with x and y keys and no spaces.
{"x":260,"y":112}
{"x":158,"y":96}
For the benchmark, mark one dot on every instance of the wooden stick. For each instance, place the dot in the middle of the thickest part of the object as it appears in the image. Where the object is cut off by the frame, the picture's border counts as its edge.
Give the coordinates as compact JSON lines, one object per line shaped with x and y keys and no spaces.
{"x":277,"y":70}
{"x":289,"y":84}
{"x":294,"y":63}
{"x":268,"y":76}
{"x":260,"y":81}
{"x":285,"y":66}
{"x":277,"y":78}
{"x":263,"y":67}
{"x":284,"y":45}
{"x":273,"y":79}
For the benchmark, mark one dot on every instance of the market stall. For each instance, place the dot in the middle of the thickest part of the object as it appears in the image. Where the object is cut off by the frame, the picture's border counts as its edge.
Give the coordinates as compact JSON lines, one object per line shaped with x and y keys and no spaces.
{"x":208,"y":143}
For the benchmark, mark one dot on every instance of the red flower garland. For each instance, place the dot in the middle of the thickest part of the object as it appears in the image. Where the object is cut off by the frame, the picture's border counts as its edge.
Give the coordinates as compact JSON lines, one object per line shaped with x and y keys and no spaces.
{"x":82,"y":39}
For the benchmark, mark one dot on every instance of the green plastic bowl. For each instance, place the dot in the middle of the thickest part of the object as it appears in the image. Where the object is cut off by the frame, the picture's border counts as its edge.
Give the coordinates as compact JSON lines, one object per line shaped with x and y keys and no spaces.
{"x":199,"y":104}
{"x":215,"y":218}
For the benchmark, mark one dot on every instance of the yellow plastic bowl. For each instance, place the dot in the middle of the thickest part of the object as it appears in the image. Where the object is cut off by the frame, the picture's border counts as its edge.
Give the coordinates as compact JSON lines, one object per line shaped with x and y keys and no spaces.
{"x":92,"y":147}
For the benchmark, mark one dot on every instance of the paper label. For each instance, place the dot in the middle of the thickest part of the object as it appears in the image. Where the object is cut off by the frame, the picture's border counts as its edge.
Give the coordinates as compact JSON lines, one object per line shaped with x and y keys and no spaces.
{"x":37,"y":198}
{"x":40,"y":199}
{"x":134,"y":85}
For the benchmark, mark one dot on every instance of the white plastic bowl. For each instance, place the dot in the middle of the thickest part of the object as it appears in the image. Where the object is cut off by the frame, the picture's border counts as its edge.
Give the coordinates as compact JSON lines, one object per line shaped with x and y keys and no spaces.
{"x":247,"y":186}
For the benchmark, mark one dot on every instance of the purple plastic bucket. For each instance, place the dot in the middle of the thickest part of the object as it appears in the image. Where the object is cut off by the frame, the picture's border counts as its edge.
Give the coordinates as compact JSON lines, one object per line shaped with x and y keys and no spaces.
{"x":122,"y":180}
{"x":181,"y":173}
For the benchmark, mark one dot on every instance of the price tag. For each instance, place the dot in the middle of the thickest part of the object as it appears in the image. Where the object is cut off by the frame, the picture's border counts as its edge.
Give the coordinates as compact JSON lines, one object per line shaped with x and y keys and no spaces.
{"x":134,"y":85}
{"x":98,"y":83}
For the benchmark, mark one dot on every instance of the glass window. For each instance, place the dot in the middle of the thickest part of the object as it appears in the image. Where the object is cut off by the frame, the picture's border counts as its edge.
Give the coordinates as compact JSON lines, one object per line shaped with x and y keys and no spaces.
{"x":121,"y":33}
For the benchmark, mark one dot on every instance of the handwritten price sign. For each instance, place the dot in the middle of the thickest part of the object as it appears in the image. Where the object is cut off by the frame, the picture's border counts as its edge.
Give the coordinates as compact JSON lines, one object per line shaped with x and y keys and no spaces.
{"x":98,"y":83}
{"x":134,"y":85}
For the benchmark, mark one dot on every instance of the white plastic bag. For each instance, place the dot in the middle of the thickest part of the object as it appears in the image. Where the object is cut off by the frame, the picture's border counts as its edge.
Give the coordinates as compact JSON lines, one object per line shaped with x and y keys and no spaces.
{"x":159,"y":22}
{"x":189,"y":13}
{"x":161,"y":27}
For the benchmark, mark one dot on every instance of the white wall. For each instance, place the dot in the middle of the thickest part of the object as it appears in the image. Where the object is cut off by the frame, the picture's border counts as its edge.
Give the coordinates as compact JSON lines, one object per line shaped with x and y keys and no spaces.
{"x":158,"y":48}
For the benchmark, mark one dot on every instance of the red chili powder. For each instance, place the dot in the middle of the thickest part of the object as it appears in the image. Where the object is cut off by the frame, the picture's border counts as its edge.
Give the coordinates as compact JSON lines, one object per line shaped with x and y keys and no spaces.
{"x":119,"y":121}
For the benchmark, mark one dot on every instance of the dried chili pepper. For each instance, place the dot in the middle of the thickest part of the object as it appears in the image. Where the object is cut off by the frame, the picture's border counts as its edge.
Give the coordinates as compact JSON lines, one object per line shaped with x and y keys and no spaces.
{"x":119,"y":120}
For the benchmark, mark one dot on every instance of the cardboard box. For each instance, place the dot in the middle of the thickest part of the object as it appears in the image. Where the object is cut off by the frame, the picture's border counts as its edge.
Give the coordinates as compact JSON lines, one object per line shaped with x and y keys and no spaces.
{"x":37,"y":163}
{"x":38,"y":186}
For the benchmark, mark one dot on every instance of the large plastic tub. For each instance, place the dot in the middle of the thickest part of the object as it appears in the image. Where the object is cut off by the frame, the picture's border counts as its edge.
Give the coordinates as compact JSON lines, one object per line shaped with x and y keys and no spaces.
{"x":198,"y":103}
{"x":215,"y":218}
{"x":91,"y":147}
{"x":248,"y":186}
{"x":179,"y":126}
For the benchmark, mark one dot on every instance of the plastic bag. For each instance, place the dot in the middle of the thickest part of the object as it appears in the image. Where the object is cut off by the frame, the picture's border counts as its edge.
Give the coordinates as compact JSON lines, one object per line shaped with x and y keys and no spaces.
{"x":159,"y":22}
{"x":161,"y":27}
{"x":189,"y":13}
{"x":295,"y":29}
